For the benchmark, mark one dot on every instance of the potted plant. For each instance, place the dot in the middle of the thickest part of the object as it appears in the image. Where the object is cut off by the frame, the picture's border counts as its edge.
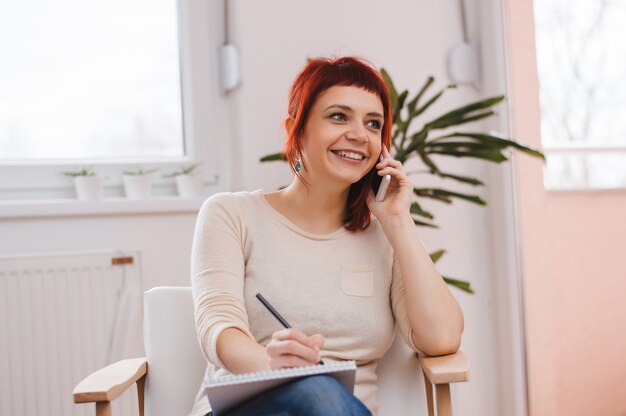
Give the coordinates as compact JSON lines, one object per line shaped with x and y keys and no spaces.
{"x":138,"y":183}
{"x":87,"y":183}
{"x":436,"y":138}
{"x":188,"y":183}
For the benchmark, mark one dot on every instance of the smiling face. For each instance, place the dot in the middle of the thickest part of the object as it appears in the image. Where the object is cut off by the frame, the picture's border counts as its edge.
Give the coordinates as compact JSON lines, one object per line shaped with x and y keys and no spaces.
{"x":341,"y":141}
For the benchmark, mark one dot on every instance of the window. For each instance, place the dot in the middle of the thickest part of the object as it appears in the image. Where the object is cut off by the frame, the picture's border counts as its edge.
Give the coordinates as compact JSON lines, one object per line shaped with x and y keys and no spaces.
{"x":104,"y":85}
{"x":96,"y":83}
{"x":581,"y":65}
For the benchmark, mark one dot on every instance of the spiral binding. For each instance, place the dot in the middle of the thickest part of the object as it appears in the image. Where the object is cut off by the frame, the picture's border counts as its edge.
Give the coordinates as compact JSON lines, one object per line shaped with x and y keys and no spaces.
{"x":312,"y":370}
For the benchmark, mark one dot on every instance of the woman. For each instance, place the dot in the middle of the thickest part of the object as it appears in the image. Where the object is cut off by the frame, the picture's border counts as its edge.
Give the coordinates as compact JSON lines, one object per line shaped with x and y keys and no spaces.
{"x":343,"y":278}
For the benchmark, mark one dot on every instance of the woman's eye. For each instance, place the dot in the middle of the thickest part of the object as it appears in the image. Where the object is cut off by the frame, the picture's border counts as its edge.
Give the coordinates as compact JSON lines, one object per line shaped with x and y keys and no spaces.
{"x":375,"y":124}
{"x":338,"y":116}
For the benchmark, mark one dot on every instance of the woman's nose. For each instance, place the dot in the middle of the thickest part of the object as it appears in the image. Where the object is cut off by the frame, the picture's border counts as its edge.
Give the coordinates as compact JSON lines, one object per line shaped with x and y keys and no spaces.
{"x":357,"y":133}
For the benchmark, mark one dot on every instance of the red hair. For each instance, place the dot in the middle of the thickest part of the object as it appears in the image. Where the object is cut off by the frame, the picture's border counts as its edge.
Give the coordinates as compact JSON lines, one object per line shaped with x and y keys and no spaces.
{"x":317,"y":76}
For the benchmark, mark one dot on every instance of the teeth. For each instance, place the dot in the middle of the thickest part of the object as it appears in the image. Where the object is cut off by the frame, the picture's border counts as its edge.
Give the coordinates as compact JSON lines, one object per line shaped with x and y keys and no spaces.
{"x":350,"y":155}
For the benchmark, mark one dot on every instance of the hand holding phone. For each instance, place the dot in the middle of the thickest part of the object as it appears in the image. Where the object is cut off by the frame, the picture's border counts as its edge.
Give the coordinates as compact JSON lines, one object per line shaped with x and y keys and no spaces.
{"x":380,"y":185}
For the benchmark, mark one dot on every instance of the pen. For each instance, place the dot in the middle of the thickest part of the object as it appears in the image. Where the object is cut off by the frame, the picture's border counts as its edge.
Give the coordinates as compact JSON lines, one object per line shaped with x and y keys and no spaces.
{"x":275,"y":313}
{"x":272,"y":310}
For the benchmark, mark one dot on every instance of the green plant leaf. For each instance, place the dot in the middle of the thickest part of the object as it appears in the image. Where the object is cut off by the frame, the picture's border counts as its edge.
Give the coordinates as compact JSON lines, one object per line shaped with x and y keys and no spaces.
{"x":393,"y":93}
{"x":184,"y":170}
{"x":429,"y":162}
{"x":430,"y":102}
{"x":435,"y":256}
{"x":425,"y":193}
{"x":416,"y":209}
{"x":477,"y":105}
{"x":460,"y":115}
{"x":465,"y":146}
{"x":139,"y":172}
{"x":498,"y":140}
{"x":274,"y":157}
{"x":401,"y":99}
{"x":424,"y":224}
{"x":188,"y":170}
{"x":464,"y":285}
{"x":417,"y":139}
{"x":454,"y":120}
{"x":398,"y":107}
{"x":445,"y":195}
{"x":492,"y":155}
{"x":464,"y":179}
{"x":413,"y":103}
{"x":81,"y":172}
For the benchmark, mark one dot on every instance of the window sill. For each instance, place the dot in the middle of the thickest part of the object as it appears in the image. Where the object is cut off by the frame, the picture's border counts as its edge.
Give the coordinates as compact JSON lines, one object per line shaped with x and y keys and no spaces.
{"x":104,"y":207}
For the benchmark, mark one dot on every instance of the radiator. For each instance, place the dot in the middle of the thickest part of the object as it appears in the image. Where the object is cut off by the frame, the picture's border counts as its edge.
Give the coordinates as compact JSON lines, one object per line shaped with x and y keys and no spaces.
{"x":63,"y":316}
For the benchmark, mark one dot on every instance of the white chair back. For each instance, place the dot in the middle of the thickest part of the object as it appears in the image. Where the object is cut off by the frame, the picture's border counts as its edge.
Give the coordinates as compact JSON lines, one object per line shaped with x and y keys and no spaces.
{"x":175,"y":364}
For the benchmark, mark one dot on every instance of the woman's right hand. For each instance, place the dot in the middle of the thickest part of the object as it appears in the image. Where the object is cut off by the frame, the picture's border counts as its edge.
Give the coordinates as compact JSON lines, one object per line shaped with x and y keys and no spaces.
{"x":292,"y":348}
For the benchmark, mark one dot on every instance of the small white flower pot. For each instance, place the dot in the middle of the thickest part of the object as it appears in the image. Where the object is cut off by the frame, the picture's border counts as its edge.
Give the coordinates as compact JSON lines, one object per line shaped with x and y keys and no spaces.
{"x":137,"y":186}
{"x":189,"y":186}
{"x":88,"y":188}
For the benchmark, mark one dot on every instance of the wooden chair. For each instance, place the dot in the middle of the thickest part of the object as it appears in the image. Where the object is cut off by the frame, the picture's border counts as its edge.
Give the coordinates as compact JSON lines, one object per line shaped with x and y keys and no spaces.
{"x":176,"y":365}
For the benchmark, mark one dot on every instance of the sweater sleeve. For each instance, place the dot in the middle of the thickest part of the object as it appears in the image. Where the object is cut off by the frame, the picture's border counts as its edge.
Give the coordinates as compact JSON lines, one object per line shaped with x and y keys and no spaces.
{"x":217,"y":273}
{"x":398,"y":305}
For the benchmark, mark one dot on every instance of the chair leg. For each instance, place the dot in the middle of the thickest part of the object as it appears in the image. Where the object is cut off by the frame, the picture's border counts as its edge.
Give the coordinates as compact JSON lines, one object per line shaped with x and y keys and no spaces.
{"x":103,"y":408}
{"x":444,"y":404}
{"x":429,"y":396}
{"x":141,"y":383}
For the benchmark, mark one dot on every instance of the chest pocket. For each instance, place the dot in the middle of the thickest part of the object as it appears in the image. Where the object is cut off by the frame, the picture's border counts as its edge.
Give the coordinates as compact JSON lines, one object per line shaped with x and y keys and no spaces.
{"x":357,"y":280}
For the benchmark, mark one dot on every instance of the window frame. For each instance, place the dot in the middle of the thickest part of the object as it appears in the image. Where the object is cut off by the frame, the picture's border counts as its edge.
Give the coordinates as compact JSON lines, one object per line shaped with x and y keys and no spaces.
{"x":551,"y":147}
{"x":204,"y":110}
{"x":581,"y":149}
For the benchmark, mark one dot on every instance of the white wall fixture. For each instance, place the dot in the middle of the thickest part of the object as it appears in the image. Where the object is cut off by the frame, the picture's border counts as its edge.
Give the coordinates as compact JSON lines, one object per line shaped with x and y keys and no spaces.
{"x":229,"y":67}
{"x":463,"y":60}
{"x":463,"y":64}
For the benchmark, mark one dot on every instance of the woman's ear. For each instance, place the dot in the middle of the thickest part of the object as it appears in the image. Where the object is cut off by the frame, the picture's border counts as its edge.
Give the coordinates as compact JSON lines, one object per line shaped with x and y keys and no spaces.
{"x":289,"y":123}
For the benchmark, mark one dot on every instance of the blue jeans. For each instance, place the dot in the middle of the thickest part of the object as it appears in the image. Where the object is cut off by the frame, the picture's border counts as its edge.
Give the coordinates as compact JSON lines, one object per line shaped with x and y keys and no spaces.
{"x":316,"y":395}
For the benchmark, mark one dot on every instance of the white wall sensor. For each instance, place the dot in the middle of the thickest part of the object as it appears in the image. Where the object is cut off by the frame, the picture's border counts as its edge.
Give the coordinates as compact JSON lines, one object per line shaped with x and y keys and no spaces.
{"x":230,"y":72}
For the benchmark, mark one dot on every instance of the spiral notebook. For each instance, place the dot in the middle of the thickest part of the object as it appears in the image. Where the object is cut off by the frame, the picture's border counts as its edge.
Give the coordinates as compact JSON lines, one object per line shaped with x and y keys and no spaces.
{"x":225,"y":393}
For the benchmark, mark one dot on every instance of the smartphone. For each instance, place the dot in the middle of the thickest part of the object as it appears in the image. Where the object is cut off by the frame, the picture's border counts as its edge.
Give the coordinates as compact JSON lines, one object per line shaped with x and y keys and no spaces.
{"x":379,"y":186}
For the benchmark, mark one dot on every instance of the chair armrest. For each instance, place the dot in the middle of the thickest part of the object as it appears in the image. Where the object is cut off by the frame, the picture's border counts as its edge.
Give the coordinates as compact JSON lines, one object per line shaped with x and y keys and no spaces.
{"x":109,"y":382}
{"x":451,"y":368}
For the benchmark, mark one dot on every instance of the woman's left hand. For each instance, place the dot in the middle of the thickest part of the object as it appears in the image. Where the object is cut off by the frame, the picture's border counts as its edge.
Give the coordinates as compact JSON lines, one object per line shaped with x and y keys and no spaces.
{"x":397,"y":202}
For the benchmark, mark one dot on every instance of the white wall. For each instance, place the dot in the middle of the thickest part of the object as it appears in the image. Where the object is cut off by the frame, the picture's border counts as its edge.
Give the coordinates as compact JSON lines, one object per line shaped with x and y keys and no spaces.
{"x":410,"y":39}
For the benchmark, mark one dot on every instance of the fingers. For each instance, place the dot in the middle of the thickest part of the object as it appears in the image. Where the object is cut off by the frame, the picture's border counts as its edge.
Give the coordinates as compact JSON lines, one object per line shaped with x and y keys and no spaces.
{"x":292,"y":348}
{"x":297,"y":335}
{"x":389,"y":166}
{"x":387,"y":160}
{"x":400,"y":190}
{"x":318,"y":339}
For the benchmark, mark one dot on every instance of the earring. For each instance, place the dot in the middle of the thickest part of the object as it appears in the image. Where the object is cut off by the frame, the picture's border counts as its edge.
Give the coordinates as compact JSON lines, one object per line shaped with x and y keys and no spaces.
{"x":298,"y":165}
